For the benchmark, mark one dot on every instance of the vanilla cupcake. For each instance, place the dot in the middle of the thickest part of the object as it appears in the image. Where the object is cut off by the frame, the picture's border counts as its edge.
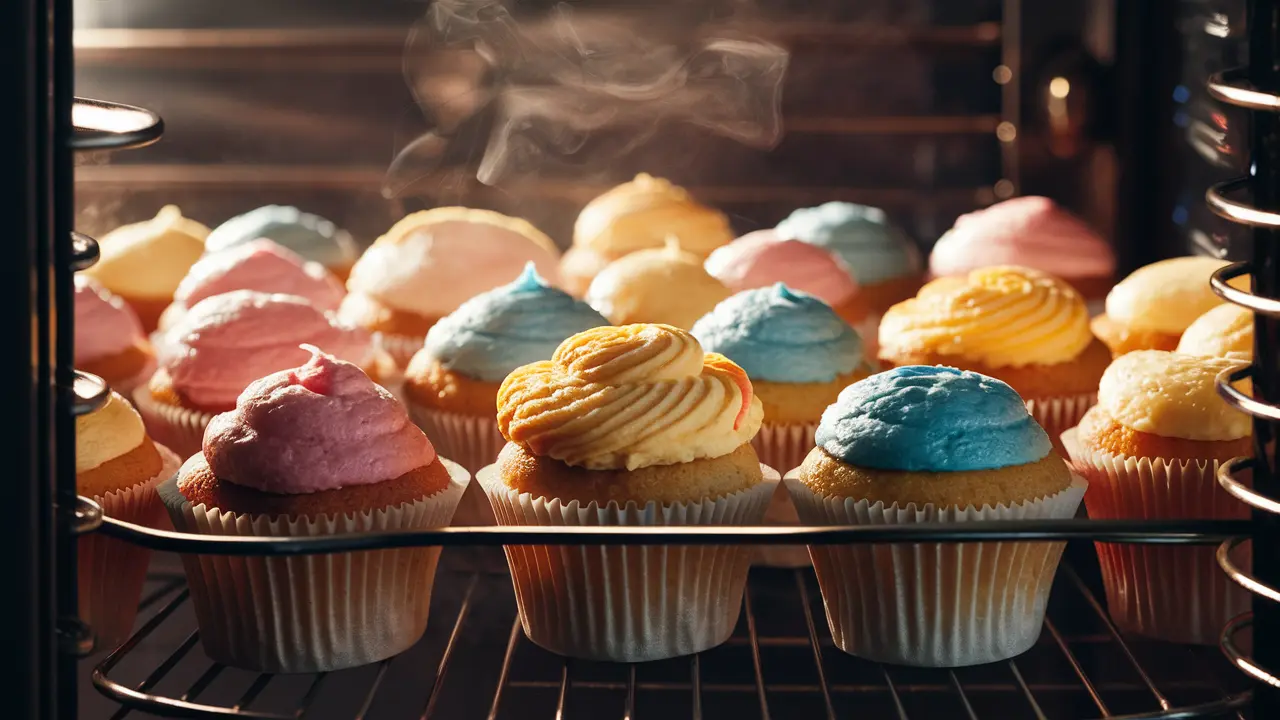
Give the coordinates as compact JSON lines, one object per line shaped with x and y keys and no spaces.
{"x":629,"y":425}
{"x":1151,"y":449}
{"x":431,"y":262}
{"x":639,"y":215}
{"x":108,"y":340}
{"x":315,"y":450}
{"x":664,"y":285}
{"x":309,"y":236}
{"x":1225,"y":331}
{"x":144,"y":262}
{"x":118,"y":467}
{"x":1150,"y":309}
{"x":924,"y":445}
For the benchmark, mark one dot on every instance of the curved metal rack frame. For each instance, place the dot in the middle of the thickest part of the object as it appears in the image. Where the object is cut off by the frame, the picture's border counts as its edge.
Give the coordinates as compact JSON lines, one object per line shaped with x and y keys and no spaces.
{"x":101,"y":125}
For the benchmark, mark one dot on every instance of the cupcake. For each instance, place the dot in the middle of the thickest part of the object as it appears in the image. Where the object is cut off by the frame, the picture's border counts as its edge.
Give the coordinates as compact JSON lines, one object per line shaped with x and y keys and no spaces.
{"x":431,"y":262}
{"x":1033,"y":232}
{"x":639,"y":215}
{"x":1151,"y":308}
{"x":227,"y":341}
{"x":799,"y":355}
{"x":1225,"y":331}
{"x":261,"y":265}
{"x":664,"y":285}
{"x":1151,"y":450}
{"x":108,"y":341}
{"x":1022,"y":326}
{"x":883,"y":260}
{"x":312,"y":451}
{"x":629,"y":425}
{"x":118,"y":467}
{"x":923,"y":445}
{"x":310,"y":236}
{"x":451,"y":385}
{"x":143,"y":263}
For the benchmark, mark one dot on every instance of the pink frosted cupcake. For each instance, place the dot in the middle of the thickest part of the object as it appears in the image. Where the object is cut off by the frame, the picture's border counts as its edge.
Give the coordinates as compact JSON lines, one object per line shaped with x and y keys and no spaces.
{"x":312,"y":450}
{"x":227,"y":341}
{"x":109,"y":342}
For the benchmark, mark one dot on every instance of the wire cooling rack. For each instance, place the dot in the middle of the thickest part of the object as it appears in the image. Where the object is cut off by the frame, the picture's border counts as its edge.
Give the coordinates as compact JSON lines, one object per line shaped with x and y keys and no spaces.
{"x":475,"y":663}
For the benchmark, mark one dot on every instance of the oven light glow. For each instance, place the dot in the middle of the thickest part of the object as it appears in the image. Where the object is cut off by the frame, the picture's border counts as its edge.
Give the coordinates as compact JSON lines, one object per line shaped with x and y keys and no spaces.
{"x":1060,"y":87}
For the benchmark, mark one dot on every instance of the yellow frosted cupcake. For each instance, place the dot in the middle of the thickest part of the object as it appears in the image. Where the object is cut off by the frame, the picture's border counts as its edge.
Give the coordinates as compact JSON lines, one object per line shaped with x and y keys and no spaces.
{"x":1225,"y":331}
{"x":1150,"y":309}
{"x":666,"y":285}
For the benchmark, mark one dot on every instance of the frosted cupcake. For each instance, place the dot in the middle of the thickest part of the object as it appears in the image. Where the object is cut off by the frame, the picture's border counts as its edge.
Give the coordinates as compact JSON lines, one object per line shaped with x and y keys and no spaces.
{"x":1033,"y":232}
{"x":639,"y":215}
{"x":451,"y":385}
{"x":666,"y":285}
{"x":923,"y":445}
{"x":1225,"y":331}
{"x":227,"y":341}
{"x":1151,"y":449}
{"x":143,"y":262}
{"x":108,"y":341}
{"x":630,"y":425}
{"x":883,"y":260}
{"x":1150,"y":309}
{"x":309,"y":451}
{"x":799,"y":355}
{"x":431,"y":262}
{"x":260,"y":265}
{"x":118,"y":467}
{"x":1025,"y":327}
{"x":309,"y":236}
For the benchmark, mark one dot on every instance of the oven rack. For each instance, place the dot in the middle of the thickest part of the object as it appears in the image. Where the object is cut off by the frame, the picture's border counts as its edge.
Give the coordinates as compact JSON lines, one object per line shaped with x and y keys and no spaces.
{"x":475,"y":663}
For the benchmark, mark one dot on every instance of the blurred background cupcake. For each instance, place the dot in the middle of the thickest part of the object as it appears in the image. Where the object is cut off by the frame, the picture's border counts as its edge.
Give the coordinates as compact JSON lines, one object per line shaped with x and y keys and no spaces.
{"x":309,"y":451}
{"x":309,"y":236}
{"x":1150,"y":309}
{"x":1151,"y":449}
{"x":630,"y":425}
{"x":1033,"y":232}
{"x":143,"y":262}
{"x":109,"y":342}
{"x":933,"y":445}
{"x":638,"y":215}
{"x":451,"y":385}
{"x":431,"y":262}
{"x":1225,"y":331}
{"x":662,"y":285}
{"x":118,"y":467}
{"x":1025,"y":327}
{"x":799,"y":355}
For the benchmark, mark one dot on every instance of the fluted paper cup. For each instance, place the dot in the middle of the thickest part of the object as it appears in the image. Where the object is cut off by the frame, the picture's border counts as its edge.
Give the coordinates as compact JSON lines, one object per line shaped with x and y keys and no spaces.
{"x":112,"y":572}
{"x":628,"y":603}
{"x":178,"y":428}
{"x":1059,"y":414}
{"x":471,"y":441}
{"x":402,"y":348}
{"x":934,"y":604}
{"x":783,"y":447}
{"x":312,"y":613}
{"x":1169,"y":592}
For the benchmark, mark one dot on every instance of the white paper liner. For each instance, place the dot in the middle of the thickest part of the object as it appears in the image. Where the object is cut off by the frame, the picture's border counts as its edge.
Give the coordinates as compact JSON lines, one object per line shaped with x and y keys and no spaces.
{"x":783,"y":447}
{"x":1168,"y":592}
{"x":312,"y":613}
{"x":112,"y":572}
{"x":628,"y":603}
{"x":178,"y":428}
{"x":1058,"y":414}
{"x":471,"y":441}
{"x":402,"y":348}
{"x":934,"y":604}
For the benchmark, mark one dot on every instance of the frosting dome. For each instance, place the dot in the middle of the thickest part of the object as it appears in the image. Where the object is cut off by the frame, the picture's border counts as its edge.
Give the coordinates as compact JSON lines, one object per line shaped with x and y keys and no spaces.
{"x":105,"y":326}
{"x":1172,"y":395}
{"x":310,"y":236}
{"x":148,"y":259}
{"x":662,"y":285}
{"x":1000,"y":316}
{"x":1224,"y":330}
{"x":264,"y":266}
{"x":760,"y":259}
{"x":629,"y":397}
{"x":322,"y":426}
{"x":779,"y":335}
{"x":496,"y":332}
{"x":111,"y":431}
{"x":931,"y":419}
{"x":1167,"y":296}
{"x":644,"y":213}
{"x":872,"y":248}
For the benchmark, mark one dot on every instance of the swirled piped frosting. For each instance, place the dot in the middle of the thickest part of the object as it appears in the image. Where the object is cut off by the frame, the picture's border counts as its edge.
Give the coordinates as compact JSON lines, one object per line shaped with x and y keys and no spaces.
{"x":498,"y":331}
{"x":922,"y":418}
{"x":629,"y":397}
{"x":871,"y":247}
{"x":262,"y":265}
{"x":779,"y":335}
{"x":322,"y":426}
{"x":105,"y":325}
{"x":1000,"y":316}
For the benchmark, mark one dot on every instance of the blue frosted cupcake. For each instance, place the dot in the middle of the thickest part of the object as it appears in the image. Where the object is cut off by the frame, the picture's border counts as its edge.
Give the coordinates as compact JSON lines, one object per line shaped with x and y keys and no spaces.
{"x":311,"y":236}
{"x":922,"y":444}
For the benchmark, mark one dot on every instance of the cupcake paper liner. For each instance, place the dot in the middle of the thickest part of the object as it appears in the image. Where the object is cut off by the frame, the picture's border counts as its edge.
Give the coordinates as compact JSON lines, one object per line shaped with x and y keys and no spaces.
{"x":783,"y":447}
{"x":178,"y":428}
{"x":112,"y":572}
{"x":472,"y":442}
{"x":934,"y":604}
{"x":1168,"y":592}
{"x":312,"y":613}
{"x":402,"y":348}
{"x":1059,"y":414}
{"x":628,"y":603}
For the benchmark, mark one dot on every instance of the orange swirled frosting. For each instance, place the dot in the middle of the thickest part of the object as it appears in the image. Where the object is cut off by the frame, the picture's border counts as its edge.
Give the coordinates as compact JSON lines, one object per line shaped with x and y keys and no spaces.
{"x":629,"y":397}
{"x":1001,"y":316}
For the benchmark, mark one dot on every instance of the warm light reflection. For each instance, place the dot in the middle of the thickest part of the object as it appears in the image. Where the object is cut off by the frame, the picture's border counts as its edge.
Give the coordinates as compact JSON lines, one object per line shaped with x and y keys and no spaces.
{"x":1059,"y":87}
{"x":115,"y":120}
